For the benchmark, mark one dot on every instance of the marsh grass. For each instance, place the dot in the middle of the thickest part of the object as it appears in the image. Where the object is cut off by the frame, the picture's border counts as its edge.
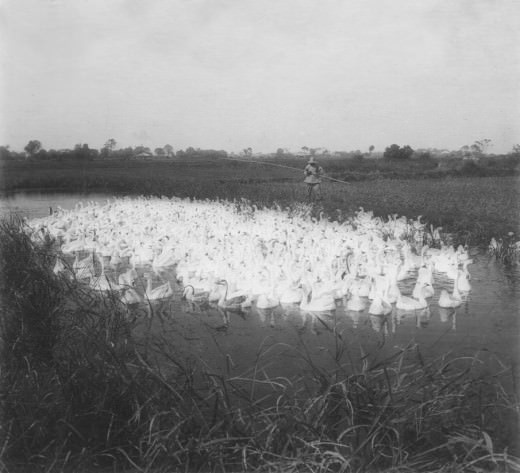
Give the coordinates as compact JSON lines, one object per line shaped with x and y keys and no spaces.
{"x":506,"y":249}
{"x":67,"y":389}
{"x":80,"y":392}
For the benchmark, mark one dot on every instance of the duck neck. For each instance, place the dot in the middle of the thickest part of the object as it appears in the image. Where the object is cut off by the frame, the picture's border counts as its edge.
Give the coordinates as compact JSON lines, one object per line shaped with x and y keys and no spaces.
{"x":189,"y":291}
{"x":456,"y":292}
{"x":223,"y":295}
{"x":307,"y":292}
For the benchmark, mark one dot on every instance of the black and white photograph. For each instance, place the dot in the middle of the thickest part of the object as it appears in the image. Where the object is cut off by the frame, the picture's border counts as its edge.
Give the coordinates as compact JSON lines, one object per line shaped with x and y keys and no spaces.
{"x":259,"y":236}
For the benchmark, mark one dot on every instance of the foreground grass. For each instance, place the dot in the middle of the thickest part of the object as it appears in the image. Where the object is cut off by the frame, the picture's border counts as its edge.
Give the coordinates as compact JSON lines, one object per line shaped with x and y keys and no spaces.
{"x":80,"y":392}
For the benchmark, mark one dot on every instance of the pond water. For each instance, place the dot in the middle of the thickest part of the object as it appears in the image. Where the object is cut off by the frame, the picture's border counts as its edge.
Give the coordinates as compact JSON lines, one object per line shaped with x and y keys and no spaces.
{"x":286,"y":339}
{"x":33,"y":204}
{"x":290,"y":341}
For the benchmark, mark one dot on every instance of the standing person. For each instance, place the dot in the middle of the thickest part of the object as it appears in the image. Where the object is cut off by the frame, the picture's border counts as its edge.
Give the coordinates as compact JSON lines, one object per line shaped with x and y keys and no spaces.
{"x":313,"y":172}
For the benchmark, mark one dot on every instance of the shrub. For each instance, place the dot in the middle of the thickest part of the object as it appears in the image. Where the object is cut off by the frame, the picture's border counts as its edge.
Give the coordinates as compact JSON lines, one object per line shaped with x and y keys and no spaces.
{"x":471,"y":168}
{"x":396,"y":152}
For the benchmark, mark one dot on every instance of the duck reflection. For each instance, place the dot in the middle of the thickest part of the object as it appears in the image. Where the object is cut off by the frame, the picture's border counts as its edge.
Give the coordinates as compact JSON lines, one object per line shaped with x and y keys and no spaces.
{"x":446,"y":314}
{"x":309,"y":323}
{"x":423,"y":317}
{"x":266,"y":316}
{"x":379,"y":323}
{"x":195,"y":307}
{"x":162,"y":309}
{"x":356,"y":317}
{"x":225,"y":317}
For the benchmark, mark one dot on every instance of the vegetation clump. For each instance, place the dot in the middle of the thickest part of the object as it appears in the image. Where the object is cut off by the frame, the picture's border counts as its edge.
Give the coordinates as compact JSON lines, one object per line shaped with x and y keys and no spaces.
{"x":66,"y":383}
{"x":505,"y":249}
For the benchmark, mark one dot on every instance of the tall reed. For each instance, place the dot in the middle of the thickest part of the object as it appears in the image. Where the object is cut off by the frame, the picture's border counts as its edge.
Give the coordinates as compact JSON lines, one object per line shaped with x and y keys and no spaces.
{"x":67,"y":387}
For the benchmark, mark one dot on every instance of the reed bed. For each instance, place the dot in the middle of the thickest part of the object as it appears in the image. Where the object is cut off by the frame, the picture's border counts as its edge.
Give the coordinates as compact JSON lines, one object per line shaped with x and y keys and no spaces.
{"x":80,"y":391}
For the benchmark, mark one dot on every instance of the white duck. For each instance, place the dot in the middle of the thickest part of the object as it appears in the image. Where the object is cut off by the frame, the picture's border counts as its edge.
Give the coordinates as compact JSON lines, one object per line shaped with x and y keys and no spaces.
{"x":164,"y":258}
{"x":236,"y":302}
{"x":84,"y":268}
{"x":268,"y":300}
{"x":425,"y":274}
{"x":356,"y":303}
{"x":406,"y":303}
{"x":447,"y":300}
{"x":59,"y":267}
{"x":322,"y":302}
{"x":392,"y":289}
{"x":190,"y":294}
{"x":102,"y":282}
{"x":380,"y":304}
{"x":130,"y":296}
{"x":463,"y":277}
{"x":291,"y":294}
{"x":423,"y":288}
{"x":164,"y":291}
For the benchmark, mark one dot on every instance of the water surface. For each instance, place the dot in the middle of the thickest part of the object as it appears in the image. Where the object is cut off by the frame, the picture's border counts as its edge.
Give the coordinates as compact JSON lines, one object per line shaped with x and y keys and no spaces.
{"x":32,"y":204}
{"x":486,"y":323}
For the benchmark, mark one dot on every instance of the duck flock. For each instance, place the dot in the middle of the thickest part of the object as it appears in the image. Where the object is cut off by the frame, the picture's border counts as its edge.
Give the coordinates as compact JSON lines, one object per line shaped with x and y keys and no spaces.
{"x":237,"y":255}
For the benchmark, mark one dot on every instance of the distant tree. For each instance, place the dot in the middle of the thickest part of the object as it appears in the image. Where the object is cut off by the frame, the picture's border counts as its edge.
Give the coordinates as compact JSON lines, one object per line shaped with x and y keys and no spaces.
{"x":516,"y":150}
{"x":168,"y":149}
{"x":142,"y":149}
{"x":159,"y":151}
{"x":422,"y":154}
{"x":305,"y":149}
{"x":396,"y":152}
{"x":280,"y":152}
{"x":42,"y":155}
{"x":83,"y":152}
{"x":481,"y":147}
{"x":371,"y":149}
{"x":125,"y":153}
{"x":108,"y":148}
{"x":53,"y":154}
{"x":465,"y":151}
{"x":247,"y":152}
{"x":357,"y":155}
{"x":33,"y":147}
{"x":5,"y":154}
{"x":110,"y":144}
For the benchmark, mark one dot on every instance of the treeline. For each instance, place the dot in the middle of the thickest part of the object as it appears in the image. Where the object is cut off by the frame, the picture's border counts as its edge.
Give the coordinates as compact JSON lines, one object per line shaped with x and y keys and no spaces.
{"x":35,"y":151}
{"x":82,"y":152}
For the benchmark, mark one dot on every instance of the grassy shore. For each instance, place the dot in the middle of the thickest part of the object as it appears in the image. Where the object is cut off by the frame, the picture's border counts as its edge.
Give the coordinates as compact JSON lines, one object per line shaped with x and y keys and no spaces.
{"x":80,"y":392}
{"x":475,"y":202}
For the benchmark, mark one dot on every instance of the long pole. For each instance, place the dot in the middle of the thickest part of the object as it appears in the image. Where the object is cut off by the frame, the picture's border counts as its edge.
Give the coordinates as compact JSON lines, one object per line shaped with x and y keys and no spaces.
{"x":279,"y":166}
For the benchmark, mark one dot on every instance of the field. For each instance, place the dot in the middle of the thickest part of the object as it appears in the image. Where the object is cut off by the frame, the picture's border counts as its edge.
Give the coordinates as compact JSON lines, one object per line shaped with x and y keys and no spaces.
{"x":474,"y":202}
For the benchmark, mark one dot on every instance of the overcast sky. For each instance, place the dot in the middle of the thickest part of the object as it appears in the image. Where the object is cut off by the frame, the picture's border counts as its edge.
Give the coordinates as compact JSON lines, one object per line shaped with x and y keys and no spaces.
{"x":231,"y":74}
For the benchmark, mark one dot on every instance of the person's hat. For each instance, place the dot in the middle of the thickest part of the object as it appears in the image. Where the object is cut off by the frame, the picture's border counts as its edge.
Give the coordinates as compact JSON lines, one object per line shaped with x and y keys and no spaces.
{"x":311,"y":160}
